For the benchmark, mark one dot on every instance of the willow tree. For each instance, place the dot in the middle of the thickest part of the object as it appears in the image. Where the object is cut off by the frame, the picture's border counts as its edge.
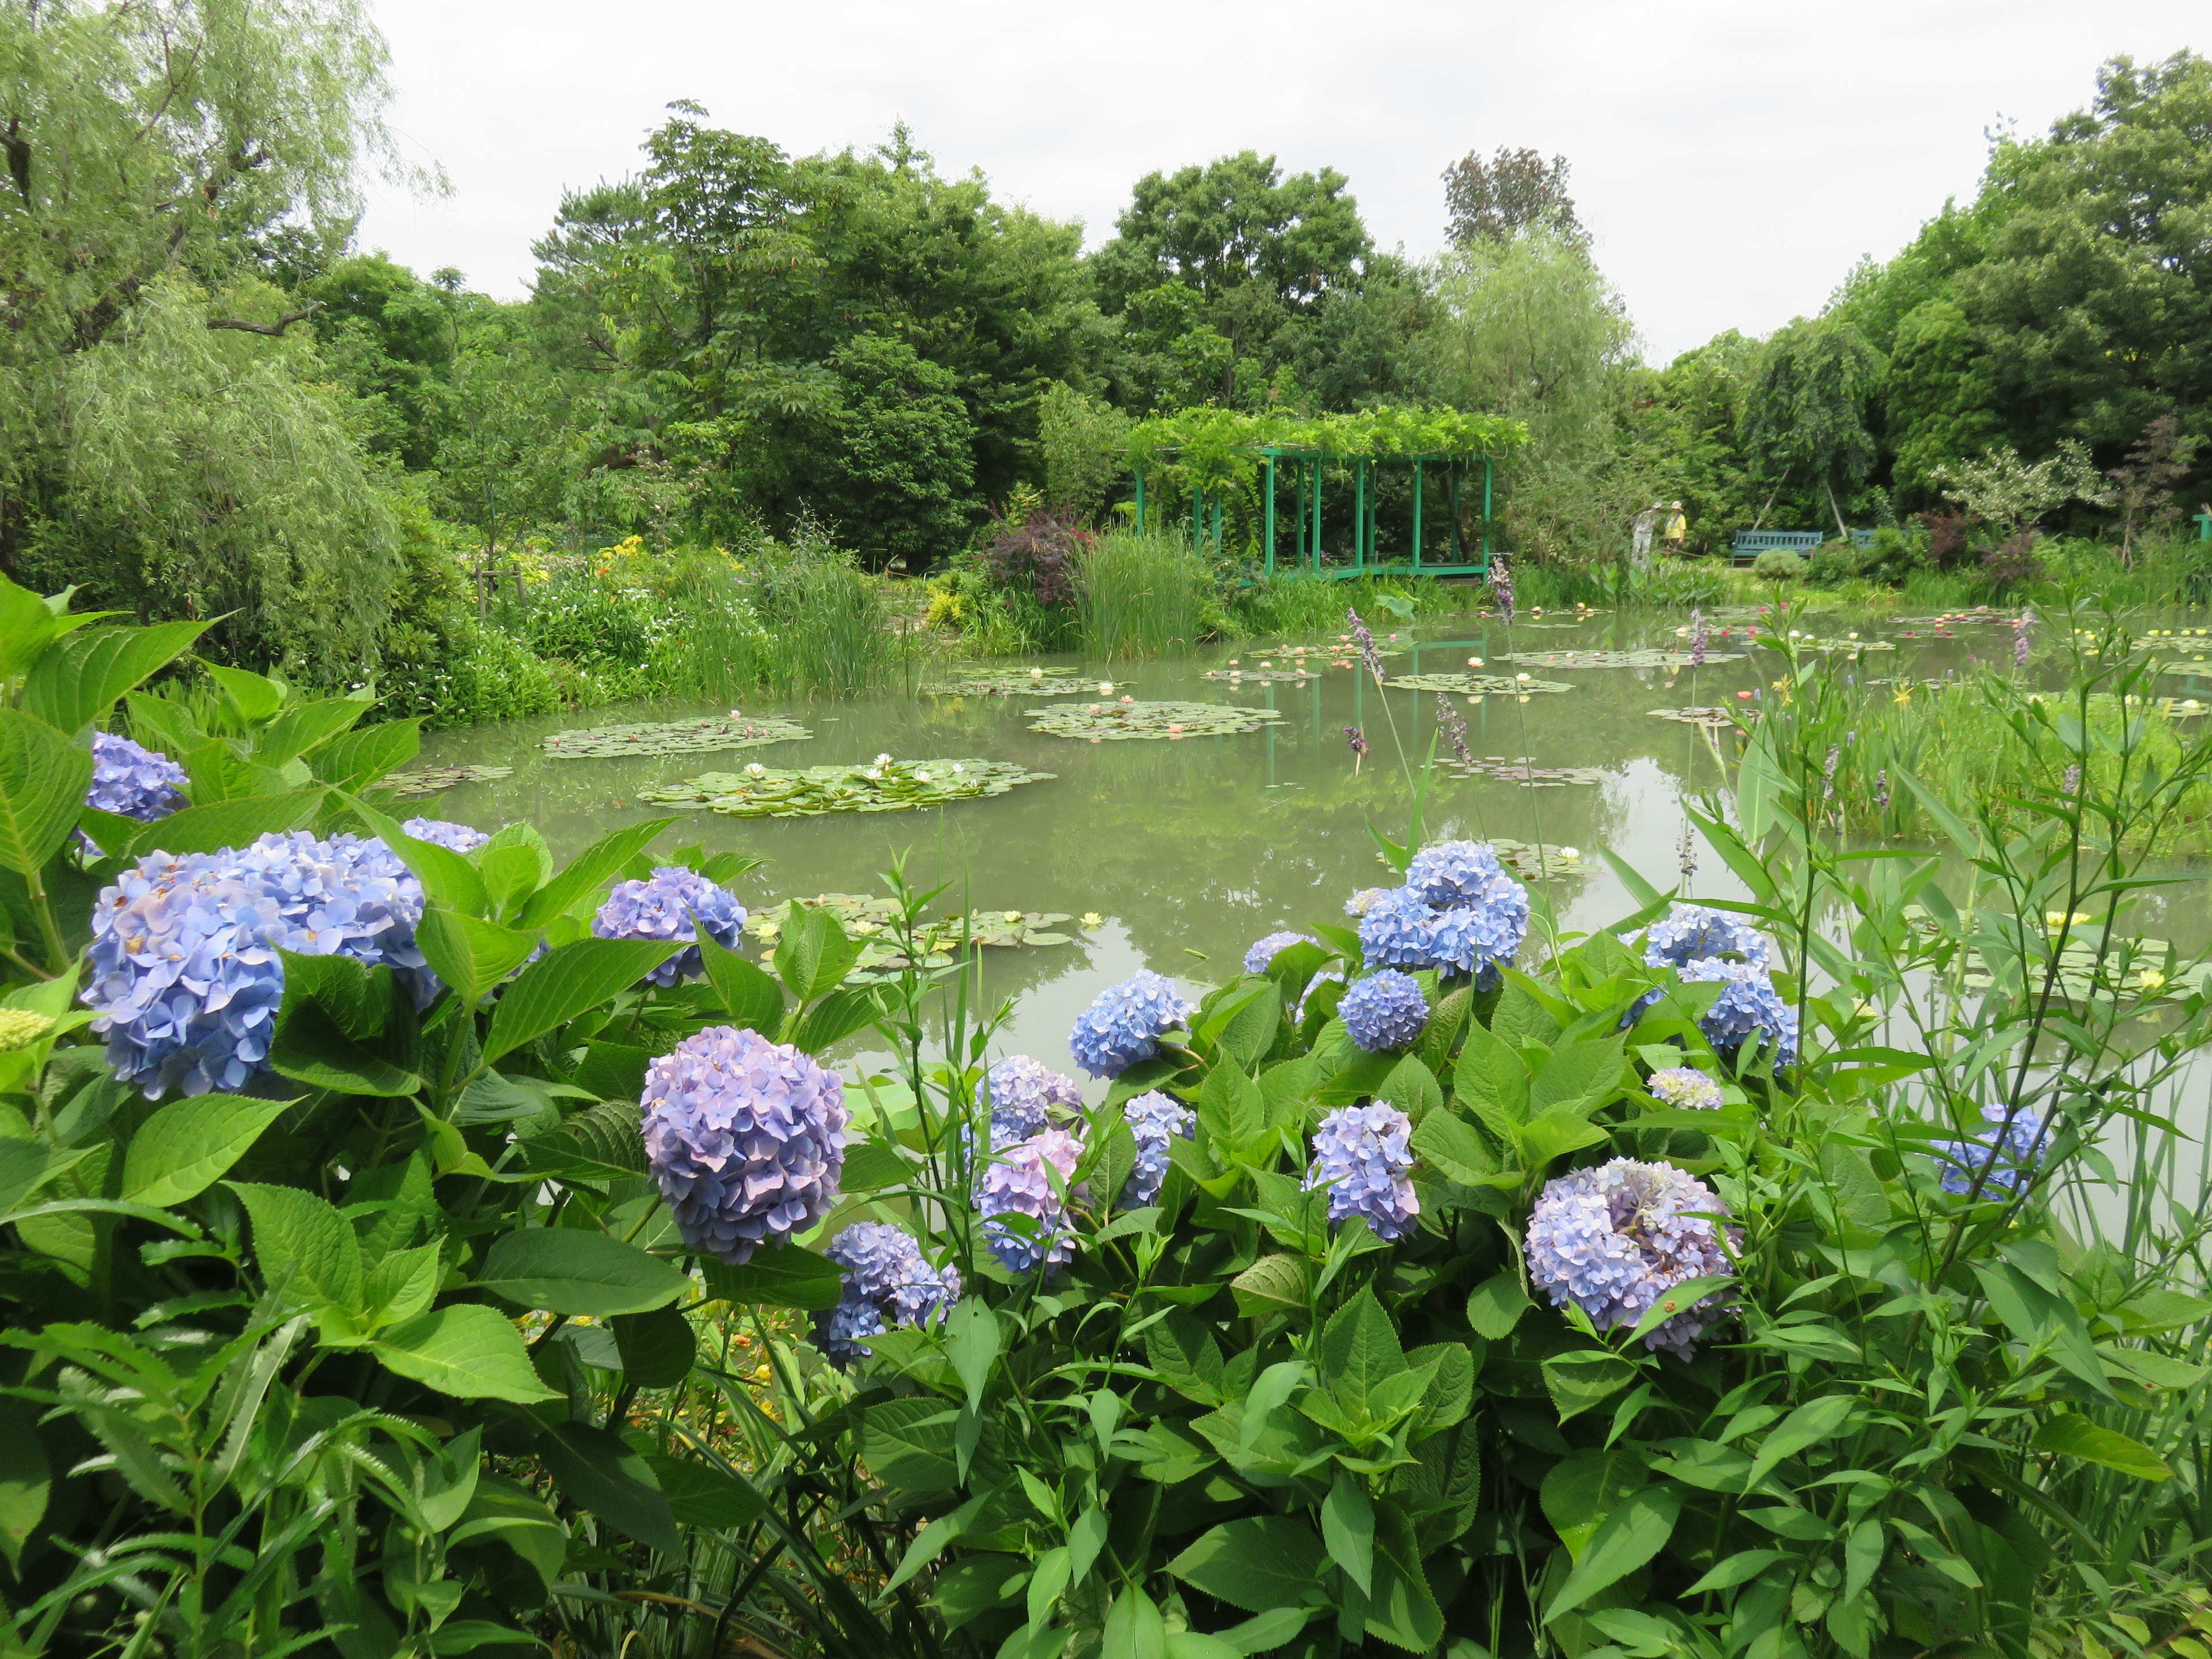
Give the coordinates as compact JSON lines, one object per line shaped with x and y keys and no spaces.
{"x":164,"y":438}
{"x":1805,"y":412}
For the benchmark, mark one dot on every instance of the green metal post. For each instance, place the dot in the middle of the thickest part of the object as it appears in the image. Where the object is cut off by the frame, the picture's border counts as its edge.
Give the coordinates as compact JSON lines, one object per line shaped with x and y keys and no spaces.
{"x":1219,"y":495}
{"x":1271,"y":517}
{"x":1458,"y":545}
{"x":1359,"y":515}
{"x":1417,"y":514}
{"x":1140,"y":501}
{"x":1317,"y":516}
{"x":1486,"y":516}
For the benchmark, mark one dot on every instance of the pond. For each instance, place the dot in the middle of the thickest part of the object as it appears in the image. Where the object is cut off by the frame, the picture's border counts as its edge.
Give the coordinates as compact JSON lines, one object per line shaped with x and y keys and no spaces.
{"x":1188,"y":848}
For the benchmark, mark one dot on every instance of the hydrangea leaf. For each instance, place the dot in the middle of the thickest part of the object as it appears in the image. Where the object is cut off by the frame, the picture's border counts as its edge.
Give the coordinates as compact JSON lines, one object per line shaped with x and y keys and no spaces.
{"x":1258,"y":1563}
{"x":1495,"y":1306}
{"x":1404,"y":1611}
{"x":1584,"y":1378}
{"x":467,"y":1350}
{"x":567,"y":980}
{"x":753,"y":1001}
{"x":814,"y":955}
{"x":1450,"y":1146}
{"x":74,"y":685}
{"x":788,"y":1277}
{"x":569,"y":1270}
{"x":658,"y":1347}
{"x":357,"y":760}
{"x":1347,"y":1527}
{"x":305,"y":1246}
{"x":1359,"y":1352}
{"x":43,"y":778}
{"x":590,"y":871}
{"x":188,"y":1145}
{"x":469,"y":954}
{"x":597,"y":1470}
{"x":1627,"y":1538}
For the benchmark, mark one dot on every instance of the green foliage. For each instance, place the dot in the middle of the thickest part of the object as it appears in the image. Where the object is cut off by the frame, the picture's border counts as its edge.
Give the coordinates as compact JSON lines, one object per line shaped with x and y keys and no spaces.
{"x":1806,"y":411}
{"x":1779,"y":564}
{"x":1141,"y":596}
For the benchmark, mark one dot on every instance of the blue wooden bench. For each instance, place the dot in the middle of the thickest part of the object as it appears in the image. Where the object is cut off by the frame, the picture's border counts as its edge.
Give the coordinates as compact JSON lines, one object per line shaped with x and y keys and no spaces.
{"x":1750,"y":544}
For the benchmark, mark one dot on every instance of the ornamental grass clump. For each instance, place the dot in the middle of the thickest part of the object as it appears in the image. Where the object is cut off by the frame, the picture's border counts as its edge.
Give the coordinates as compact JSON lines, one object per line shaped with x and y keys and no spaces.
{"x":746,"y":1140}
{"x":673,"y":903}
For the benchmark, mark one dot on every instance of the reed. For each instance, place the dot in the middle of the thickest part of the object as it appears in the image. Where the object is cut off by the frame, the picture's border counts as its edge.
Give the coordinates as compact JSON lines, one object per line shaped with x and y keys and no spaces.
{"x":1141,"y":596}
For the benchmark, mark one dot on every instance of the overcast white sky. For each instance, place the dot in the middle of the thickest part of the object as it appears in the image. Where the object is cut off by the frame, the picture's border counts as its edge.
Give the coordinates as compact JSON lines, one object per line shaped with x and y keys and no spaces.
{"x":1733,"y":158}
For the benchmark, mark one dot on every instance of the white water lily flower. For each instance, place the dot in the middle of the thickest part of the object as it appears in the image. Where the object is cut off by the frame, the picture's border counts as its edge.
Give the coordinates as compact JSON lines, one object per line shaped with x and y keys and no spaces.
{"x":1524,"y":679}
{"x":922,"y":777}
{"x":1036,"y":673}
{"x":1106,"y":689}
{"x":882,"y":759}
{"x":1570,"y":852}
{"x":758,"y":770}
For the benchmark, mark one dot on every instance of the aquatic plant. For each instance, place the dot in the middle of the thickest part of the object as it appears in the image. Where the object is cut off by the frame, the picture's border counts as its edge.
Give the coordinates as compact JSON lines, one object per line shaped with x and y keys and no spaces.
{"x":698,"y":737}
{"x":884,"y":785}
{"x":1115,"y":722}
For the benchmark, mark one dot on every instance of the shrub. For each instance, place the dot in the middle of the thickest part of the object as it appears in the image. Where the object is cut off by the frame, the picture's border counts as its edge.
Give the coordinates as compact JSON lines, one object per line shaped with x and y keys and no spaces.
{"x":2013,"y":562}
{"x":1040,"y":555}
{"x":1779,"y":564}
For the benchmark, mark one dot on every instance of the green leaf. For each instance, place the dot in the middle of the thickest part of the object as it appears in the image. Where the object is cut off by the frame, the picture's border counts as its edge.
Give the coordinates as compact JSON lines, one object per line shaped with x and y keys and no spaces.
{"x":971,"y":1342}
{"x":1450,"y":1146}
{"x":256,"y":697}
{"x":1678,"y":1298}
{"x":787,"y":1276}
{"x":1815,"y":1421}
{"x":1412,"y":1087}
{"x":43,"y":779}
{"x":1347,"y":1528}
{"x":704,"y":1494}
{"x":597,"y":1470}
{"x":1627,"y":1538}
{"x":27,"y":1165}
{"x":2075,"y":1436}
{"x":565,"y":982}
{"x":303,"y":1244}
{"x":1405,"y":1612}
{"x":1232,"y":1113}
{"x":1262,"y":1633}
{"x":814,"y":955}
{"x":188,"y":1145}
{"x":567,"y":1270}
{"x":467,"y":1350}
{"x":591,"y":870}
{"x":1584,"y":1378}
{"x":1359,"y":1352}
{"x":751,"y":997}
{"x":835,"y":1018}
{"x":1261,"y":1564}
{"x":28,"y":627}
{"x":1249,"y":1031}
{"x":469,"y":954}
{"x":658,"y":1348}
{"x":1581,"y":1491}
{"x":1134,"y":1629}
{"x":1491,"y":1080}
{"x":358,"y":760}
{"x":449,"y":880}
{"x":25,"y":1479}
{"x":1554,"y":1135}
{"x":74,"y":685}
{"x":1578,"y":1078}
{"x":311,"y":1047}
{"x":600,"y":1145}
{"x":222,"y":823}
{"x":1495,"y":1305}
{"x":1271,"y":1282}
{"x":305,"y":727}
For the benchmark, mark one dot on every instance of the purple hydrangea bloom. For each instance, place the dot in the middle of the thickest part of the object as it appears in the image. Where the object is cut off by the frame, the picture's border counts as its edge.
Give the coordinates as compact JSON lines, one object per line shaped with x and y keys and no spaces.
{"x":1749,"y":1004}
{"x":1394,"y":930}
{"x":673,"y":902}
{"x":2009,"y":1154}
{"x":1155,"y":1118}
{"x":1614,"y":1239}
{"x":1265,"y":951}
{"x":885,"y":1278}
{"x":1458,"y":912}
{"x":1124,"y":1025}
{"x":1383,"y":1010}
{"x":458,"y":837}
{"x":138,"y":783}
{"x":1693,"y":933}
{"x":1016,"y":1184}
{"x":1685,"y":1088}
{"x":184,"y":977}
{"x":746,"y":1138}
{"x":1361,"y":1155}
{"x":1019,"y":1094}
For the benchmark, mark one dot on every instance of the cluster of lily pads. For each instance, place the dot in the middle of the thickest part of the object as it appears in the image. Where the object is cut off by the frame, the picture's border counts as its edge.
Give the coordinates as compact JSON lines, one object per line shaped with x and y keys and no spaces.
{"x":1523,"y":770}
{"x":1713,"y":719}
{"x":1017,"y":683}
{"x":884,"y":785}
{"x":429,"y":780}
{"x":938,"y":943}
{"x":697,"y":737}
{"x":1115,"y":722}
{"x":1477,"y":685}
{"x":1641,"y":659}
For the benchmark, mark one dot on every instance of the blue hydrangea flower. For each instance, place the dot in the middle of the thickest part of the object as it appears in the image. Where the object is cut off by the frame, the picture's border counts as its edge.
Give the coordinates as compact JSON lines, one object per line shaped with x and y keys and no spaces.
{"x":1361,"y":1154}
{"x":673,"y":902}
{"x":746,"y":1140}
{"x":1456,"y":873}
{"x":1459,"y":912}
{"x":1383,"y":1010}
{"x":1394,"y":930}
{"x":1155,"y":1118}
{"x":1749,"y":1004}
{"x":1693,"y":933}
{"x":1126,"y":1023}
{"x":138,"y":783}
{"x":2010,"y":1154}
{"x":1020,"y":1093}
{"x":183,"y":975}
{"x":885,"y":1278}
{"x":1015,"y":1182}
{"x":460,"y":837}
{"x":1685,"y":1088}
{"x":1615,"y":1239}
{"x":1265,"y":951}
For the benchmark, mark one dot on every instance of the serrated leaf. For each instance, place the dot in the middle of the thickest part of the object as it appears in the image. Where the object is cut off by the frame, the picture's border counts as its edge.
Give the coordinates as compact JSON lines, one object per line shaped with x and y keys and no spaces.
{"x":567,"y":1270}
{"x":751,"y":996}
{"x":76,"y":684}
{"x":565,"y":982}
{"x":467,"y":1350}
{"x":188,"y":1145}
{"x":787,"y":1277}
{"x":43,"y":779}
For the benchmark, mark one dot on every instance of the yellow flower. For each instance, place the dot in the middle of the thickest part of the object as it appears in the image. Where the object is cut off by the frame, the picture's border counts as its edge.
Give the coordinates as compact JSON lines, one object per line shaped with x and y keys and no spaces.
{"x":1014,"y":915}
{"x":1092,"y":919}
{"x":2150,"y":980}
{"x":2055,"y":920}
{"x":1904,"y":694}
{"x":20,"y":1028}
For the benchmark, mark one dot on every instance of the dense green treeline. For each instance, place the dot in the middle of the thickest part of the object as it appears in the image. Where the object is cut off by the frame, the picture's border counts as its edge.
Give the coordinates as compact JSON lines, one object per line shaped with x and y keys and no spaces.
{"x":217,"y":404}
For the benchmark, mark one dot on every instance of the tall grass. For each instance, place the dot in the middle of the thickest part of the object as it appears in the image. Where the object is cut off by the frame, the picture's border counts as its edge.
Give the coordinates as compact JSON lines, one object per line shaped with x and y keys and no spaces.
{"x":1142,"y":596}
{"x":828,"y":627}
{"x":1292,"y":605}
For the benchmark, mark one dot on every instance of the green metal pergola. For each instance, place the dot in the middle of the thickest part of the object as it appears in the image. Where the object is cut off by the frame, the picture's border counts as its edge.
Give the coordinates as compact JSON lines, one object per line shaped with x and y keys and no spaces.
{"x":1304,"y":469}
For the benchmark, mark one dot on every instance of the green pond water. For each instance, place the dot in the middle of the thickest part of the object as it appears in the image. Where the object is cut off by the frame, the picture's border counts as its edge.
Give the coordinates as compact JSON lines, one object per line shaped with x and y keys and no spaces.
{"x":1189,"y":848}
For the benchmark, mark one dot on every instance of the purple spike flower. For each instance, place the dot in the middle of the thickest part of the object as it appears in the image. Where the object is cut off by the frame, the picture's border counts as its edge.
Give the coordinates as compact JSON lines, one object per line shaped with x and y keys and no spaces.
{"x":1696,"y":638}
{"x":1362,"y":637}
{"x":1616,"y":1238}
{"x":1501,"y":587}
{"x":673,"y":903}
{"x":746,"y":1140}
{"x":1454,"y":726}
{"x":1356,"y":740}
{"x":1361,"y":1155}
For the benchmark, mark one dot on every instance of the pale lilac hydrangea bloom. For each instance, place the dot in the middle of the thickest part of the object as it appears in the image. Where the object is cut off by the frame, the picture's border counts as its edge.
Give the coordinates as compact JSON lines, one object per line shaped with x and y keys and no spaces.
{"x":2010,"y":1154}
{"x":136,"y":782}
{"x":673,"y":903}
{"x":746,"y":1138}
{"x":1124,"y":1026}
{"x":1750,"y":1004}
{"x":1615,"y":1239}
{"x":1383,"y":1010}
{"x":1361,"y":1155}
{"x":1695,"y":932}
{"x":1265,"y":951}
{"x":1155,"y":1118}
{"x":183,"y":973}
{"x":443,"y":832}
{"x":886,"y":1278}
{"x":1685,"y":1088}
{"x":1020,"y":1094}
{"x":1015,"y":1182}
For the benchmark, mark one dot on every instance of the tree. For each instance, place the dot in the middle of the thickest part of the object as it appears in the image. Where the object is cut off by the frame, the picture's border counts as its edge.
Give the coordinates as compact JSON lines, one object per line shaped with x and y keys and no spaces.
{"x":1806,"y":411}
{"x":2143,"y":484}
{"x":890,"y":467}
{"x":1515,"y":191}
{"x":2010,"y":494}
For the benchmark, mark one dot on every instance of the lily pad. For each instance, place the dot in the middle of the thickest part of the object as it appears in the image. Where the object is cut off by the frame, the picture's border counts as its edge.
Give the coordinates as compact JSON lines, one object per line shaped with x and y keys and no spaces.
{"x":698,"y":737}
{"x":1814,"y":643}
{"x":1524,"y":772}
{"x":938,"y":941}
{"x":769,"y":792}
{"x":429,"y":780}
{"x":1302,"y":675}
{"x":1475,"y":684}
{"x":1646,"y":659}
{"x":1113,"y":722}
{"x":1533,"y":863}
{"x":1017,"y":682}
{"x":1706,"y":715}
